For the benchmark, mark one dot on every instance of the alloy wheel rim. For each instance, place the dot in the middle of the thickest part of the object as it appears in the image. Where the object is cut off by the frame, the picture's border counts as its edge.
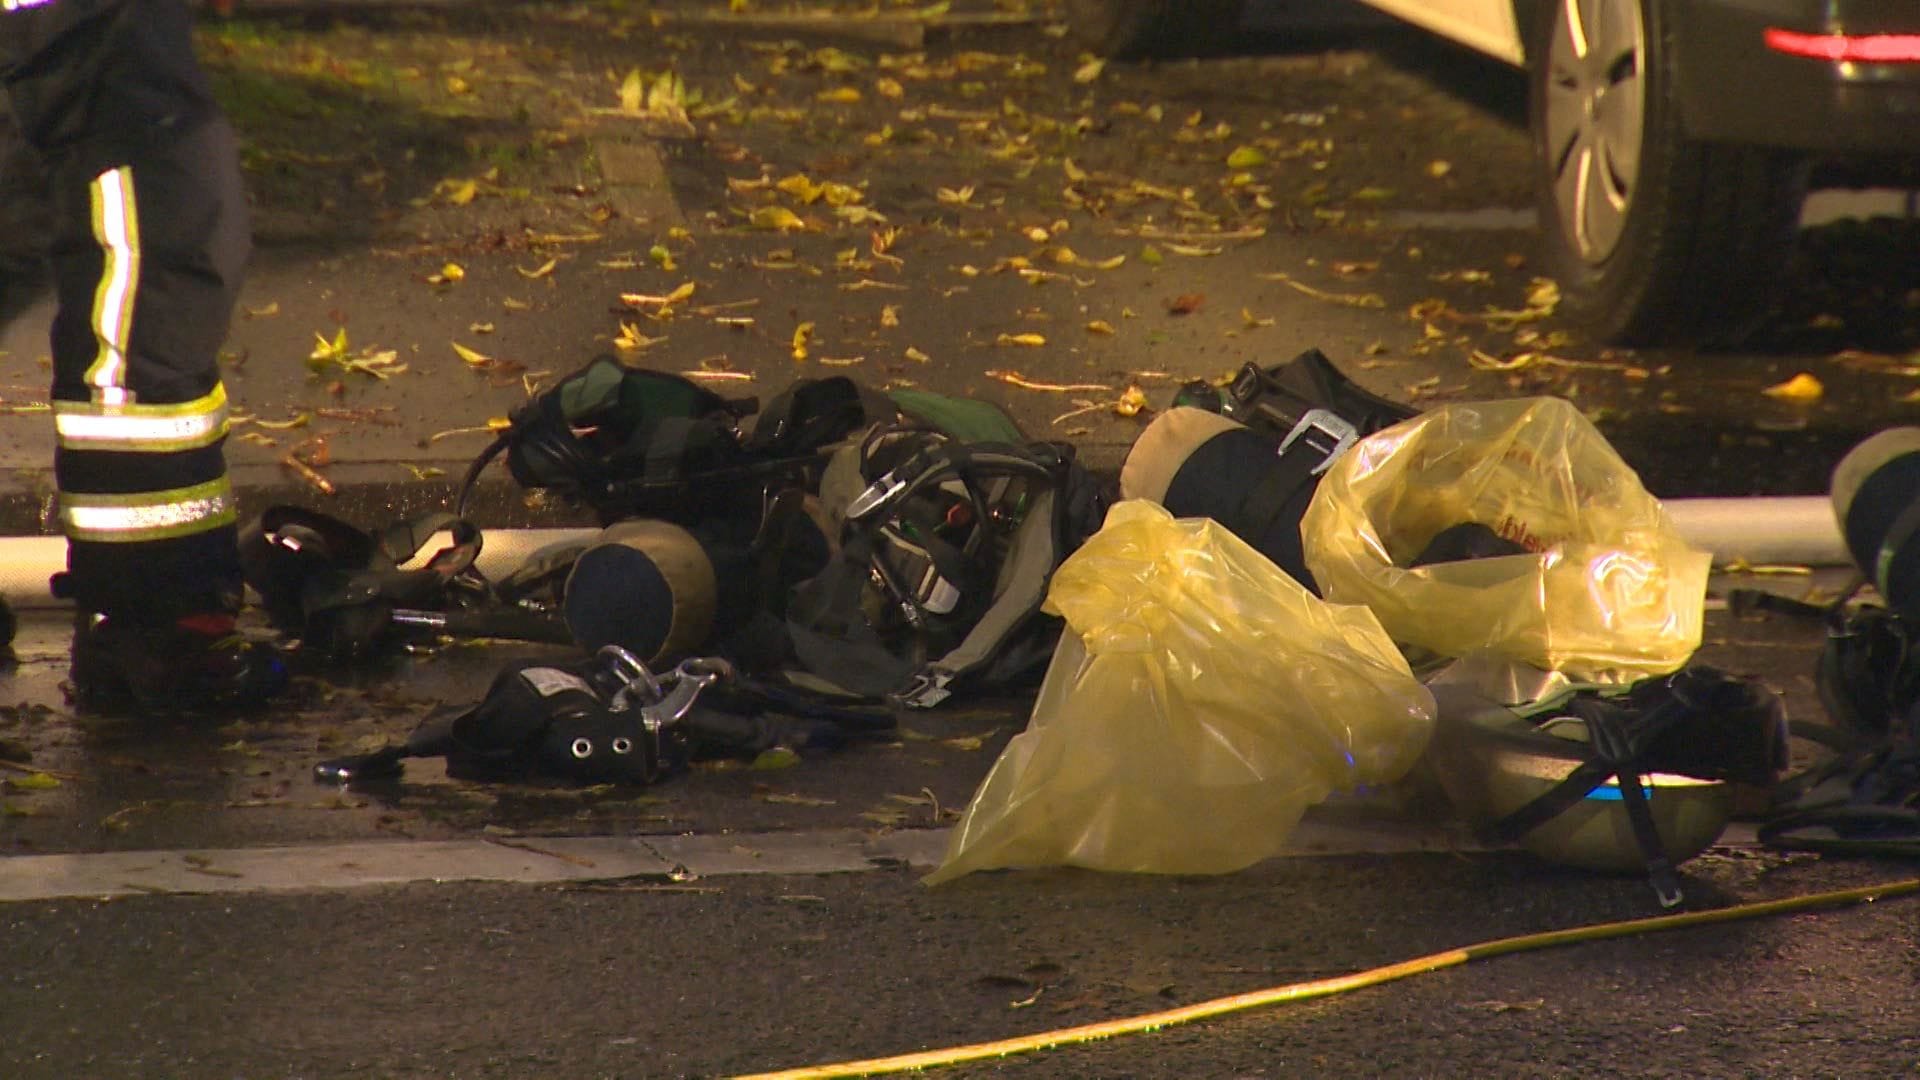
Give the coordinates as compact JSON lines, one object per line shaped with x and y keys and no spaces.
{"x":1594,"y":120}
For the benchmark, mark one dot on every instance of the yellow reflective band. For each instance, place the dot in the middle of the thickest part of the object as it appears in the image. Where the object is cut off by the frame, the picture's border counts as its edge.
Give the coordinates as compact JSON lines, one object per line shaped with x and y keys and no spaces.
{"x":84,"y":425}
{"x":116,"y":227}
{"x":153,"y":515}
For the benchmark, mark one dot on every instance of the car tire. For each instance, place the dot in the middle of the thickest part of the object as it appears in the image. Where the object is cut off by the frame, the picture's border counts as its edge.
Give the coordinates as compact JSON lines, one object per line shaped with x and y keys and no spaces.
{"x":1654,"y":239}
{"x":1145,"y":29}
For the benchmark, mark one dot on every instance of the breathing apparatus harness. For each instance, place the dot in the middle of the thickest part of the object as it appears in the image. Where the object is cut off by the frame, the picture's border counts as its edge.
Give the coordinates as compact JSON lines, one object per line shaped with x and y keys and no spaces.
{"x":611,"y":720}
{"x":945,"y":555}
{"x":632,"y":442}
{"x":1865,"y":800}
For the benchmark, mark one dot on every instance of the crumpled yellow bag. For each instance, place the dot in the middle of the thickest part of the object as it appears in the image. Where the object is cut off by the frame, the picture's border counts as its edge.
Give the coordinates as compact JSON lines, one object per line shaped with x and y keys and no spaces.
{"x":1608,"y":592}
{"x":1199,"y":701}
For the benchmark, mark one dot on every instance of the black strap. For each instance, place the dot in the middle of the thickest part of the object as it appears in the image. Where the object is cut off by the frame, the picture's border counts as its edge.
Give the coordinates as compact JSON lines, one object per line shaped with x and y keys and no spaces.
{"x":1617,"y":736}
{"x":1277,"y":486}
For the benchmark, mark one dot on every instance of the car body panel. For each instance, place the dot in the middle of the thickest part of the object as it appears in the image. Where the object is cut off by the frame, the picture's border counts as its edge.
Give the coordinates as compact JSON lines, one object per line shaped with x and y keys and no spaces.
{"x":1489,"y":26}
{"x":1731,"y":87}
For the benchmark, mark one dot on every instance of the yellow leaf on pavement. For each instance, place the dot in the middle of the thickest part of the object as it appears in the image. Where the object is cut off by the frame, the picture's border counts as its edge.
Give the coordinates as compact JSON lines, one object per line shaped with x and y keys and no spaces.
{"x":802,"y":334}
{"x":477,"y":359}
{"x":1246,"y":157}
{"x":777,"y":218}
{"x":1027,"y":340}
{"x":800,"y":187}
{"x":539,"y":272}
{"x":1801,"y":388}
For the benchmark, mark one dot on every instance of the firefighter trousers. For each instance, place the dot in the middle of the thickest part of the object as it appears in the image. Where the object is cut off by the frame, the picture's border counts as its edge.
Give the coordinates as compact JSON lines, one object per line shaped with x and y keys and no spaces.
{"x":149,"y":243}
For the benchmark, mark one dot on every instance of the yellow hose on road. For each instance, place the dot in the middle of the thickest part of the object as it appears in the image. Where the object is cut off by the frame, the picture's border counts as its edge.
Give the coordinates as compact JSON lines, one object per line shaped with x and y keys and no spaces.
{"x":1318,"y":988}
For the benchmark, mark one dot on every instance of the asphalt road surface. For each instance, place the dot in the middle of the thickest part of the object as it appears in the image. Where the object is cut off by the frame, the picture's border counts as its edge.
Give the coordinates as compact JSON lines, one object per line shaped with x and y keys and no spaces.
{"x":472,"y":175}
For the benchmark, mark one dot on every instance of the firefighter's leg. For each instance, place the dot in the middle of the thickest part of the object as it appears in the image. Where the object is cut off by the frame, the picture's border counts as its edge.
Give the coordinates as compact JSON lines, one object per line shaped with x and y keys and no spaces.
{"x":149,"y":245}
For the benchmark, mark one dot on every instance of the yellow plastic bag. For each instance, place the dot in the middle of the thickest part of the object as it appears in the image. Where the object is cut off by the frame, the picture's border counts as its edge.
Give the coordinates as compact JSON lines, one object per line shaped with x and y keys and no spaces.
{"x":1199,"y":701}
{"x":1608,"y":591}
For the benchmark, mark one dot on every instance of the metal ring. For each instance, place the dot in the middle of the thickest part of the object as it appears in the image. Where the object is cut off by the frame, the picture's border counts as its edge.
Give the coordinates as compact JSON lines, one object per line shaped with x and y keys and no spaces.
{"x":622,"y":745}
{"x":583,"y":748}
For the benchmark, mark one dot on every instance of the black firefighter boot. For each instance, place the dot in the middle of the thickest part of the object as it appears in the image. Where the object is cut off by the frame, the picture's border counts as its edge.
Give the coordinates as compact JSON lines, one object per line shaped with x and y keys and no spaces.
{"x":194,"y":664}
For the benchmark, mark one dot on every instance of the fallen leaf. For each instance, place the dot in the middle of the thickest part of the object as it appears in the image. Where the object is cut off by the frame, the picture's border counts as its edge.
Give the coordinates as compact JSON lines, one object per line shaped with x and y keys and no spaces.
{"x":1360,"y":300}
{"x":1186,"y":303}
{"x":1246,"y":157}
{"x":1028,"y":340}
{"x":476,"y":359}
{"x":777,"y":218}
{"x":1100,"y":326}
{"x":1014,"y":378}
{"x":300,"y":421}
{"x":786,"y":799}
{"x":802,"y":334}
{"x":775,"y":758}
{"x":630,"y":339}
{"x":1801,"y":388}
{"x":542,"y":271}
{"x":1131,"y":402}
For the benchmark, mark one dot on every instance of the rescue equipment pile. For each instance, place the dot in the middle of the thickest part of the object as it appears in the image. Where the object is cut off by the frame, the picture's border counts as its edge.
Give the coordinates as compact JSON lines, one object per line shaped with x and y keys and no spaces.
{"x":1301,"y":589}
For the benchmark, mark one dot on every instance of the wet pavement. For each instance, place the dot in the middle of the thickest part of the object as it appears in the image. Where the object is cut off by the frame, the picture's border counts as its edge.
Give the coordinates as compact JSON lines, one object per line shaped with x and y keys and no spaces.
{"x":1008,"y":182}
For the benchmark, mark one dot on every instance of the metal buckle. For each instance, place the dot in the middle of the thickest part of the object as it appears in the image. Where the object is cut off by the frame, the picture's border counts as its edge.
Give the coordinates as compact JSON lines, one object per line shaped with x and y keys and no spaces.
{"x":927,"y":688}
{"x":1324,"y":431}
{"x":877,"y":494}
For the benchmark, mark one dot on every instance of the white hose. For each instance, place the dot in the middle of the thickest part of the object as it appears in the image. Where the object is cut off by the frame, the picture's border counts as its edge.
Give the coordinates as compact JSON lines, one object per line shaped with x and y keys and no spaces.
{"x":1781,"y":530}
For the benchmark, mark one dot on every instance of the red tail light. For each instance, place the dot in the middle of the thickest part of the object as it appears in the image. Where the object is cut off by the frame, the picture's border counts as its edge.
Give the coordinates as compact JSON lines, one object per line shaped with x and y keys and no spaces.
{"x":1855,"y":48}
